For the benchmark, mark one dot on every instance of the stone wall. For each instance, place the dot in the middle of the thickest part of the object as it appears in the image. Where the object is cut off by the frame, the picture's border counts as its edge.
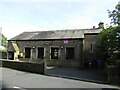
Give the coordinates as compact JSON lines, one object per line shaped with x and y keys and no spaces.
{"x":24,"y":66}
{"x":81,"y":48}
{"x":61,"y":61}
{"x":114,"y":74}
{"x":90,"y":56}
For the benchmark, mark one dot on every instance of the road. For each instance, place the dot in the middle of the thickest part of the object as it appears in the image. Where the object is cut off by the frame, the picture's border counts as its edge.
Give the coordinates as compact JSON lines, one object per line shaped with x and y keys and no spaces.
{"x":15,"y":79}
{"x":89,"y":74}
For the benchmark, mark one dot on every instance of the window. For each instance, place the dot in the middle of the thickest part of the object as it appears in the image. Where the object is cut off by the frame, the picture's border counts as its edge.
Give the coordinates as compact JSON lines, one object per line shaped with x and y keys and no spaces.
{"x":27,"y":52}
{"x":54,"y":53}
{"x":69,"y":53}
{"x":91,"y":48}
{"x":41,"y":53}
{"x":11,"y":55}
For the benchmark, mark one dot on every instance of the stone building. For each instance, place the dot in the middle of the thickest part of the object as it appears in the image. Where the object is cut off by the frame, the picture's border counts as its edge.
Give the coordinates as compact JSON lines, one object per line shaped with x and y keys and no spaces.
{"x":65,"y":48}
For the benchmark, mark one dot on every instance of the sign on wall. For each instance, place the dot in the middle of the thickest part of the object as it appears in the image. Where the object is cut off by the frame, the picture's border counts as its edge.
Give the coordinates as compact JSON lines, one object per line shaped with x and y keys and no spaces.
{"x":65,"y":41}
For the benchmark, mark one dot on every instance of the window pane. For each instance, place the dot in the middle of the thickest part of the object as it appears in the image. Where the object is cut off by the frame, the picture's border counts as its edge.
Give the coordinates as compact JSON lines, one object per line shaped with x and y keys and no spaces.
{"x":91,"y":48}
{"x":11,"y":55}
{"x":69,"y":53}
{"x":27,"y":52}
{"x":54,"y":53}
{"x":41,"y":53}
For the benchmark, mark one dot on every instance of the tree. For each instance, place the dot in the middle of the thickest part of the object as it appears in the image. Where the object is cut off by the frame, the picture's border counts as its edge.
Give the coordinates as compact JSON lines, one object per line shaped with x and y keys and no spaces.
{"x":4,"y":42}
{"x":110,"y":38}
{"x":115,"y":15}
{"x":110,"y":43}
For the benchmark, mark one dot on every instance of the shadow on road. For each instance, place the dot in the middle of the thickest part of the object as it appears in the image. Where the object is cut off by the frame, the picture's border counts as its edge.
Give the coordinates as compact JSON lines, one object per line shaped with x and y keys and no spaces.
{"x":95,"y":75}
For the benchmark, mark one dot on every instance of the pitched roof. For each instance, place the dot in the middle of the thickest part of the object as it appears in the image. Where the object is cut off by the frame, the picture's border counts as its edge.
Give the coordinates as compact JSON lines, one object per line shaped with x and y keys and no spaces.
{"x":56,"y":34}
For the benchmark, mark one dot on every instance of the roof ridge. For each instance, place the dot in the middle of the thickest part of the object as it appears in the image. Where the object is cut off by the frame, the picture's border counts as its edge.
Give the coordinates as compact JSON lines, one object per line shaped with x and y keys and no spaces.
{"x":55,"y":34}
{"x":61,"y":30}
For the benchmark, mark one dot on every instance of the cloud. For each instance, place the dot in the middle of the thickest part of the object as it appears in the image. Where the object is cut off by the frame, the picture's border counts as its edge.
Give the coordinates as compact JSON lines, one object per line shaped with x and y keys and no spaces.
{"x":85,"y":14}
{"x":10,"y":29}
{"x":81,"y":22}
{"x":104,"y":1}
{"x":39,"y":0}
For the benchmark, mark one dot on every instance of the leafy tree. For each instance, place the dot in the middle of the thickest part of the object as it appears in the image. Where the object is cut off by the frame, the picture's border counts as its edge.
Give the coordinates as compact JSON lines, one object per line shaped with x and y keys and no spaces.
{"x":110,"y":43}
{"x":4,"y":42}
{"x":110,"y":38}
{"x":115,"y":15}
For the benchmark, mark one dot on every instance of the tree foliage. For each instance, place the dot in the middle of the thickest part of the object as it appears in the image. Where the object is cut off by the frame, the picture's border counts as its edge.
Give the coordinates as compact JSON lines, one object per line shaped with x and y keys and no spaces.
{"x":4,"y":42}
{"x":110,"y":42}
{"x":115,"y":15}
{"x":110,"y":37}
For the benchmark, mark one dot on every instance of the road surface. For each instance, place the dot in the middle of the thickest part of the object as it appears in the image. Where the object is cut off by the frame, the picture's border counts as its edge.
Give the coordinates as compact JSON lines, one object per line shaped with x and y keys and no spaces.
{"x":15,"y":79}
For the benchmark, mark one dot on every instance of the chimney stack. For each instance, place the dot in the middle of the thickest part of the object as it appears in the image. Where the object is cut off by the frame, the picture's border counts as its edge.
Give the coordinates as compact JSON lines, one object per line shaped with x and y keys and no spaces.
{"x":93,"y":27}
{"x":101,"y":25}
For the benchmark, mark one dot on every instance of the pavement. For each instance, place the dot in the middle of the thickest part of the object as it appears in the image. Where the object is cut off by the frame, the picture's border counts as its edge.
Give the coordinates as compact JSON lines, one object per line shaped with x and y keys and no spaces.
{"x":89,"y":74}
{"x":25,"y":80}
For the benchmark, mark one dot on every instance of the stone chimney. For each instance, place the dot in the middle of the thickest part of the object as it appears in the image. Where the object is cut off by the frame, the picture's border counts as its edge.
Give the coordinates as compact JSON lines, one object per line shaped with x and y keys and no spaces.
{"x":93,"y":27}
{"x":101,"y":25}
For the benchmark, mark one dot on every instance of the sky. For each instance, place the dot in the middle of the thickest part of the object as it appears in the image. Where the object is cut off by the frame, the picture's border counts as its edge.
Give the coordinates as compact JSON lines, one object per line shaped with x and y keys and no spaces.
{"x":17,"y":16}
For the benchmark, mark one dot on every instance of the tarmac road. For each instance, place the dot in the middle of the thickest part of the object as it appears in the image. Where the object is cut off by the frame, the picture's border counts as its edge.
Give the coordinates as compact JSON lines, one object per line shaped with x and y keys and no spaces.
{"x":18,"y":79}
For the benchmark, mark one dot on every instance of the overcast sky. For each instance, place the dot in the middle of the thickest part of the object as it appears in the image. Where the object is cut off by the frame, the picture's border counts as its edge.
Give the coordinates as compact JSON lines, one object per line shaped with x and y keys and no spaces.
{"x":17,"y":16}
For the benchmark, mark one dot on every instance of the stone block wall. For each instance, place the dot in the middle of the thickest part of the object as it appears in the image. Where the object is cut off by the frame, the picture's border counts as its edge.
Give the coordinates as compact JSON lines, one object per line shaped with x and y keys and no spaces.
{"x":114,"y":74}
{"x":24,"y":66}
{"x":91,"y":42}
{"x":47,"y":44}
{"x":81,"y":46}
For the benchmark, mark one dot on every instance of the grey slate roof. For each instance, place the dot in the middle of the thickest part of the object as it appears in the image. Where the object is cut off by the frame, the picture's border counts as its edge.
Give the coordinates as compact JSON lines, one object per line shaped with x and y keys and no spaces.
{"x":56,"y":34}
